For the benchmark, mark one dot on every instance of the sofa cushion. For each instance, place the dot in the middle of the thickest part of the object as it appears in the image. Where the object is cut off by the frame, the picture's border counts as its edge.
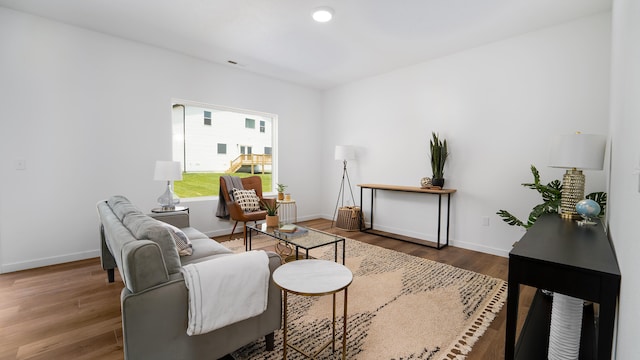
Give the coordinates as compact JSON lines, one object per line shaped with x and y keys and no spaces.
{"x":193,"y":233}
{"x":145,"y":227}
{"x":121,"y":206}
{"x":204,"y":249}
{"x":247,"y":199}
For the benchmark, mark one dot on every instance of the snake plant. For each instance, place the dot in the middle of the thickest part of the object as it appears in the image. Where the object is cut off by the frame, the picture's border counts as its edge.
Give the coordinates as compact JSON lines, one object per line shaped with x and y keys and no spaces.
{"x":439,"y":155}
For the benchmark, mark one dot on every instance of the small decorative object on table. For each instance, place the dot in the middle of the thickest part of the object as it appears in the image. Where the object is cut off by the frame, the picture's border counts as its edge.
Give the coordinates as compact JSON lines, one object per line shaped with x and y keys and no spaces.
{"x":287,"y":228}
{"x":281,"y":189}
{"x":589,"y":210}
{"x":425,"y":182}
{"x":272,"y":212}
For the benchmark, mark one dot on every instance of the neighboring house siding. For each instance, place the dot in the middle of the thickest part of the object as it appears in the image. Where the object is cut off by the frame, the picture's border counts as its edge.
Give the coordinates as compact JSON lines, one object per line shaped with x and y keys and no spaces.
{"x":201,"y":141}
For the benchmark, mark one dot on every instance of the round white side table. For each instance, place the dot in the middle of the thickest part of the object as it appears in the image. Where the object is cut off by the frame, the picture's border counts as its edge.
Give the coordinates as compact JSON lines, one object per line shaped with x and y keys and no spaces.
{"x":314,"y":278}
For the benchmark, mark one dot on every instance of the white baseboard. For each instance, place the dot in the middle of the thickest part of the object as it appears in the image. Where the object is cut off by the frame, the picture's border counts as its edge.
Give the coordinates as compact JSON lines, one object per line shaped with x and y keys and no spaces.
{"x":452,"y":242}
{"x":31,"y":264}
{"x":481,"y":248}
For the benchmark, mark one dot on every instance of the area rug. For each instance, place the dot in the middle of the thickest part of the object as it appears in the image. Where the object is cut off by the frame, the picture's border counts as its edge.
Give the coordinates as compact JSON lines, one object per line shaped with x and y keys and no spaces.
{"x":399,"y":307}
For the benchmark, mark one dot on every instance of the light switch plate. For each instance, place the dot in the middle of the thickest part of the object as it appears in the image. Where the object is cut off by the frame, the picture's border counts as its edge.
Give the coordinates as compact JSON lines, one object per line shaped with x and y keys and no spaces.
{"x":20,"y":164}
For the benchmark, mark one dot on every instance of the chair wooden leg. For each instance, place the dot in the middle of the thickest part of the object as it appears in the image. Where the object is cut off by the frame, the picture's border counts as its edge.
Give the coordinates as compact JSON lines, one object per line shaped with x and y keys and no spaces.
{"x":233,"y":231}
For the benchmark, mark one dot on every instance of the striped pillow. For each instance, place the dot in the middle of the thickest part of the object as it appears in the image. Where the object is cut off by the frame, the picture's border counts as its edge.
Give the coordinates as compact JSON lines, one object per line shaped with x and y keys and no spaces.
{"x":247,"y":199}
{"x":182,"y":241}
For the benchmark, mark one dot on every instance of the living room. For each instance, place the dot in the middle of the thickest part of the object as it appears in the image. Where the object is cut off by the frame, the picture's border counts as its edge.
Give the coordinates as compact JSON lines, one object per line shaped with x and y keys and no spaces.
{"x":88,"y":114}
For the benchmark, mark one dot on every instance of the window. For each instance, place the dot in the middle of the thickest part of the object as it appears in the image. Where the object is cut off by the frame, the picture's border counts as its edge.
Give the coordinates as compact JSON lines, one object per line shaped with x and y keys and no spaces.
{"x":222,"y":149}
{"x":208,"y":150}
{"x":246,"y":150}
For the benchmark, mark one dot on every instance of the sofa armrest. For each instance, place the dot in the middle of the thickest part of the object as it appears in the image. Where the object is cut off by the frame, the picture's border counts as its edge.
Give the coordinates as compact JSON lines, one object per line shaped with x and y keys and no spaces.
{"x":143,"y":265}
{"x":179,"y":219}
{"x":154,"y":323}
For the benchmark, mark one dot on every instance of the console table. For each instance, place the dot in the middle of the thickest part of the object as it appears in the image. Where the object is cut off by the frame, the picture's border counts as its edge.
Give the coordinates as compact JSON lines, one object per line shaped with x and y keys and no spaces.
{"x":412,"y":189}
{"x":559,"y":255}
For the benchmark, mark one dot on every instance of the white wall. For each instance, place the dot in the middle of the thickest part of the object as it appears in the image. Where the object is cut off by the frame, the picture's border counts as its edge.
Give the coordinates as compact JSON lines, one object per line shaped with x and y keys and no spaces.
{"x":498,"y":106}
{"x":90,"y":114}
{"x":624,"y":187}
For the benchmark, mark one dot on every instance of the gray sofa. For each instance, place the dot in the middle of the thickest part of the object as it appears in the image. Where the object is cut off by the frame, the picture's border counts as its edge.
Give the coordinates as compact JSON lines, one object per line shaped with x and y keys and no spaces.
{"x":154,"y":300}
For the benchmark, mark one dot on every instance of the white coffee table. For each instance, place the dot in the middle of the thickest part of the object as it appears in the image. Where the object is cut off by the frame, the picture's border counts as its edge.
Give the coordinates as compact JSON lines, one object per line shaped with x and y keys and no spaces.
{"x":314,"y":278}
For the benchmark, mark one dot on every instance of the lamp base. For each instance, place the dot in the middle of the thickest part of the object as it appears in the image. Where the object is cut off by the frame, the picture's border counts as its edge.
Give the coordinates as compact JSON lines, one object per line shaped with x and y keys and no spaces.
{"x":168,"y":200}
{"x":572,"y":192}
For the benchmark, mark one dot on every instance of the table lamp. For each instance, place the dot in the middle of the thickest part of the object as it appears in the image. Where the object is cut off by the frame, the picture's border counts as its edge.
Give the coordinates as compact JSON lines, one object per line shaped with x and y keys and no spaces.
{"x":168,"y":171}
{"x":576,"y":152}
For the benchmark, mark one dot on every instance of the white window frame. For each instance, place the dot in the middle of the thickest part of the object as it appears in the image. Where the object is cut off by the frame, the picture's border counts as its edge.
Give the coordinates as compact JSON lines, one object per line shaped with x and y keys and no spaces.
{"x":178,"y":143}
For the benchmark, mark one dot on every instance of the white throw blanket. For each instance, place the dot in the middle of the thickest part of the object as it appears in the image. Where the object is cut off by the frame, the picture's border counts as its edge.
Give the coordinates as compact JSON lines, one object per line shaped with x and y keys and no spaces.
{"x":226,"y":290}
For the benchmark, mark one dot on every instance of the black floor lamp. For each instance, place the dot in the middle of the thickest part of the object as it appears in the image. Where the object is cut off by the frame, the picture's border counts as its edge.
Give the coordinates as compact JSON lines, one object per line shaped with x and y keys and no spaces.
{"x":344,"y":153}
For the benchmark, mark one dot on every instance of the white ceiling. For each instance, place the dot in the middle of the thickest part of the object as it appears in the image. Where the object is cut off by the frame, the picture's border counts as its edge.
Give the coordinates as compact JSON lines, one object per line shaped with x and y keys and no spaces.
{"x":278,"y":38}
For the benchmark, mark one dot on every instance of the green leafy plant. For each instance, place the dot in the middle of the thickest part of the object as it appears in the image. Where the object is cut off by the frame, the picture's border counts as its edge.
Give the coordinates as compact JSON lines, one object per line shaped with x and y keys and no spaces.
{"x":439,"y":155}
{"x":281,"y":187}
{"x":551,"y":194}
{"x":601,"y":198}
{"x":271,"y":206}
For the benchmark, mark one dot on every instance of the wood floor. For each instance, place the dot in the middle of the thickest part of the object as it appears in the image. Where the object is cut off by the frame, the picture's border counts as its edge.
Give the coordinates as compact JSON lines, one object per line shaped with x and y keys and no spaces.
{"x":70,"y":311}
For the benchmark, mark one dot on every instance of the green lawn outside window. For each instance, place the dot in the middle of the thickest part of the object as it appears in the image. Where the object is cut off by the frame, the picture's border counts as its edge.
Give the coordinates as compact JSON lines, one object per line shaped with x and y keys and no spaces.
{"x":195,"y":185}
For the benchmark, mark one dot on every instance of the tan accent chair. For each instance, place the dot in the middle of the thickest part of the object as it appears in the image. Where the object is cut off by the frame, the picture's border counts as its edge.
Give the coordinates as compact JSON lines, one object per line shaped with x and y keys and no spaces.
{"x":235,"y":211}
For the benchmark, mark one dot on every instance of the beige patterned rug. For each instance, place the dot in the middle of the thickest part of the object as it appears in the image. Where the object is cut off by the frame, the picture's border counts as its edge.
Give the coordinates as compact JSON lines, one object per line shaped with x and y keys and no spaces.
{"x":399,"y":307}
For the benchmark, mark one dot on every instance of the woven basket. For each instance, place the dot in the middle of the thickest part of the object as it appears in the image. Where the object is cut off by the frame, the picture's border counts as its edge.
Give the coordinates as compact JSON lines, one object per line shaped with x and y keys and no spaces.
{"x":349,"y":218}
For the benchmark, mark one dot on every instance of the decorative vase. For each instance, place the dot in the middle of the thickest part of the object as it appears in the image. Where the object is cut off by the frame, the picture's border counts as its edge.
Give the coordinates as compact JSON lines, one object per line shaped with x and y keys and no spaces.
{"x":437,"y":182}
{"x":272,"y":220}
{"x":565,"y":328}
{"x":280,"y":196}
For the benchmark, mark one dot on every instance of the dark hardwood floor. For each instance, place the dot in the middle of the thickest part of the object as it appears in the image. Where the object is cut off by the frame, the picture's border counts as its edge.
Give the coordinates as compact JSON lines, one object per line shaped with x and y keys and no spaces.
{"x":70,"y":311}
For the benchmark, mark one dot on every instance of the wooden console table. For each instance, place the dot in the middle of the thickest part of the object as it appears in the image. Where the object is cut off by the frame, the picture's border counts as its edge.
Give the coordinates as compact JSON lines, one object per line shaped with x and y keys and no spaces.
{"x":411,"y":189}
{"x":558,"y":255}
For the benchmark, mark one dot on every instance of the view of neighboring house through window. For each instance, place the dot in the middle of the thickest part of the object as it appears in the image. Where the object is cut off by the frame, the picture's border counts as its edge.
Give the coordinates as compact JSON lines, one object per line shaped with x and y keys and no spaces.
{"x":226,"y":142}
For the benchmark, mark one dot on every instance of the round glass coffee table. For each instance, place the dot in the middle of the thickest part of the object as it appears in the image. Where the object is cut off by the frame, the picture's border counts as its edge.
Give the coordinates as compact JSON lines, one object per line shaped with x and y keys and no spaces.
{"x":314,"y":278}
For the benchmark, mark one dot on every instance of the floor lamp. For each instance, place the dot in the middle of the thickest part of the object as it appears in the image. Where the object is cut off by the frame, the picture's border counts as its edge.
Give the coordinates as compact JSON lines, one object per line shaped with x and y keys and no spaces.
{"x":344,"y":153}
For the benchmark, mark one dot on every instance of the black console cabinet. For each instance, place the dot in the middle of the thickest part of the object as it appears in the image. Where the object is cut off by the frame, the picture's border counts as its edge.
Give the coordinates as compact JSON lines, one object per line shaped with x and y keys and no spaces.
{"x":558,"y":255}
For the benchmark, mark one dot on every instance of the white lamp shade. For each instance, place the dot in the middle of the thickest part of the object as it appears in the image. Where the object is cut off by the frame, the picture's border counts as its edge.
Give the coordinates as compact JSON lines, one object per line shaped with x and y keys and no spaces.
{"x":345,"y":152}
{"x":168,"y":170}
{"x":580,"y":151}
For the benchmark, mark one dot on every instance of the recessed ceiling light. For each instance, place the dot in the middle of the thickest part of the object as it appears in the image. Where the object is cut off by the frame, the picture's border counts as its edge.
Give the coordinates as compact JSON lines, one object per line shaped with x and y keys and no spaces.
{"x":322,"y":14}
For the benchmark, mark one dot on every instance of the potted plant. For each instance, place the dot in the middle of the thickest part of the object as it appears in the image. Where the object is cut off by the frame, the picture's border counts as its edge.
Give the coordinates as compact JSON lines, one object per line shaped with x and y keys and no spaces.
{"x":551,"y":195}
{"x":281,"y":189}
{"x":439,"y":155}
{"x":271,"y":206}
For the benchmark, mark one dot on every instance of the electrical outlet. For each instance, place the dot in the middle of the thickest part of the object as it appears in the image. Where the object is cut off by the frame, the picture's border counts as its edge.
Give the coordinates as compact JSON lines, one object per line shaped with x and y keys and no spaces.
{"x":485,"y":221}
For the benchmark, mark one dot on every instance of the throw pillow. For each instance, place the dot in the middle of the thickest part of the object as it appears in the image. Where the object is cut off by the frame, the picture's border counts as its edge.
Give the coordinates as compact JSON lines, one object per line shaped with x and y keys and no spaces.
{"x":247,"y":199}
{"x":182,"y":241}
